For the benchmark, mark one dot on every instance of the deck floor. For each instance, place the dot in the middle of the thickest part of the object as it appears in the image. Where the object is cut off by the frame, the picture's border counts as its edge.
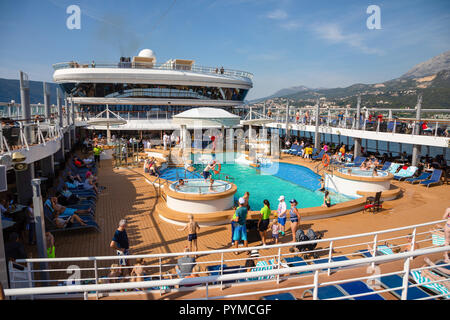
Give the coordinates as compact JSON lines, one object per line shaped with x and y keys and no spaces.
{"x":129,"y":196}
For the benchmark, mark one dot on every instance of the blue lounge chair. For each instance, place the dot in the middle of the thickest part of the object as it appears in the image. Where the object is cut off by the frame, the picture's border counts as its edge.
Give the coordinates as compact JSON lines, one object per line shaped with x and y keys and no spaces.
{"x":296,"y":262}
{"x":299,"y":152}
{"x":280,"y":296}
{"x":294,"y":149}
{"x":333,"y":259}
{"x":422,"y":177}
{"x":319,"y":156}
{"x":405,"y":173}
{"x":386,"y":166}
{"x":327,"y":292}
{"x":358,"y":287}
{"x":358,"y":161}
{"x":395,"y":281}
{"x":434,"y":179}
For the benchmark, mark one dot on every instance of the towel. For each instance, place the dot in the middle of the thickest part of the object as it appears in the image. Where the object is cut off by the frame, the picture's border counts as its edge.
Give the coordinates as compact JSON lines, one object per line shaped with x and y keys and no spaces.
{"x":425,"y":282}
{"x":437,"y":240}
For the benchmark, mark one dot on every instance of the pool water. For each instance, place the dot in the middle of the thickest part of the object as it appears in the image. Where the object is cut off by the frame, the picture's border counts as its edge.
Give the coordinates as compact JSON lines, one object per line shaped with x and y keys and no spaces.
{"x":269,"y":182}
{"x":200,"y":186}
{"x":362,"y":173}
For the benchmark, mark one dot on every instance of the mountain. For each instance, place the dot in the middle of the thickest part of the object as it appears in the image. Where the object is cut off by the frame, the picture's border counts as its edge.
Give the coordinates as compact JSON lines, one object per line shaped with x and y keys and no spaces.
{"x":429,"y":67}
{"x":283,"y":93}
{"x":431,"y":78}
{"x":10,"y":90}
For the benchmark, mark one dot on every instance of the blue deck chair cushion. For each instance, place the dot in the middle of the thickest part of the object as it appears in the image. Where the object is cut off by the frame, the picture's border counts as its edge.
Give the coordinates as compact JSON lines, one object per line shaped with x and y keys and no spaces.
{"x":358,"y":287}
{"x":395,"y":281}
{"x":280,"y":296}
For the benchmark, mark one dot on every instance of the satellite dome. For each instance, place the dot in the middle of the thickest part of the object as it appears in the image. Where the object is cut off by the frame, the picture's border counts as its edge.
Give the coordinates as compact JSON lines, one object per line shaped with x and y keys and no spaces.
{"x":146,"y":53}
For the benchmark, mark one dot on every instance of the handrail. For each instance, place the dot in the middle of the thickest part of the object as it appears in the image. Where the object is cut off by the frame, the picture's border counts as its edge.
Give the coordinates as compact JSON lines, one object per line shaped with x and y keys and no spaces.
{"x":228,"y":277}
{"x":162,"y":66}
{"x":201,"y":253}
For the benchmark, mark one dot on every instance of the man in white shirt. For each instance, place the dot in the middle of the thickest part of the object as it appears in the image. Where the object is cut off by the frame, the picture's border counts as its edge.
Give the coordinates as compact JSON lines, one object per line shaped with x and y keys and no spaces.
{"x":166,"y":139}
{"x":282,"y":208}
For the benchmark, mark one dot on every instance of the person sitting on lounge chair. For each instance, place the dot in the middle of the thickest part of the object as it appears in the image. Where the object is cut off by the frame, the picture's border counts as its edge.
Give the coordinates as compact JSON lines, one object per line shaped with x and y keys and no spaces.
{"x":66,"y":221}
{"x":63,"y":211}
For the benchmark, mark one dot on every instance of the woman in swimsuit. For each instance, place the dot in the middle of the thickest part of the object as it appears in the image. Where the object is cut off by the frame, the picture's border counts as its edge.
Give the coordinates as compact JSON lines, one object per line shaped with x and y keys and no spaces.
{"x":447,"y":233}
{"x":294,"y":216}
{"x":326,"y":200}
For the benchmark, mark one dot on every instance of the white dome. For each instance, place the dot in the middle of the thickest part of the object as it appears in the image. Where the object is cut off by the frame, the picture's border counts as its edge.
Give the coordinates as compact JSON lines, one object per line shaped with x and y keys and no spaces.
{"x":146,"y":53}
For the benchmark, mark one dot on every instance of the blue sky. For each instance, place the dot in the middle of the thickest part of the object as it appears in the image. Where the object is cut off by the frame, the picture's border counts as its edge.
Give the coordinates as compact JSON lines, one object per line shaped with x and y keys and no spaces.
{"x":283,"y":43}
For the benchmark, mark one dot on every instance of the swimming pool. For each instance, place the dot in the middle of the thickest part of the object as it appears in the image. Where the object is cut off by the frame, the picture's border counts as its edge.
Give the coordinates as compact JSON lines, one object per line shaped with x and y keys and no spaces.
{"x":269,"y":182}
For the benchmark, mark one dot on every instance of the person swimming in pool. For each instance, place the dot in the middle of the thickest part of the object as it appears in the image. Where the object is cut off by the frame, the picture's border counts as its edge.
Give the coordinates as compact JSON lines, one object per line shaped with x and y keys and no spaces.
{"x":181,"y":183}
{"x":326,"y":200}
{"x":322,"y":185}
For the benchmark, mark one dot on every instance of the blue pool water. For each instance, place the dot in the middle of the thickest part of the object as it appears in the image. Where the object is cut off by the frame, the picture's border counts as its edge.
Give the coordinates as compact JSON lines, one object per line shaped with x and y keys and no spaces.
{"x":292,"y":181}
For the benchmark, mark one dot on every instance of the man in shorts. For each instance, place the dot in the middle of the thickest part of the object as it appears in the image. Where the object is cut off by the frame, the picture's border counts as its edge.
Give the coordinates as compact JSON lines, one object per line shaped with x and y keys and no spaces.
{"x":240,"y":230}
{"x":120,"y":243}
{"x":192,"y":227}
{"x":281,"y":212}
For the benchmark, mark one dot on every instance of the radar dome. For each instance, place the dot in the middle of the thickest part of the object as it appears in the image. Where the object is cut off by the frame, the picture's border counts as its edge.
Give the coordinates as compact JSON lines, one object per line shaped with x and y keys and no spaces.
{"x":146,"y":53}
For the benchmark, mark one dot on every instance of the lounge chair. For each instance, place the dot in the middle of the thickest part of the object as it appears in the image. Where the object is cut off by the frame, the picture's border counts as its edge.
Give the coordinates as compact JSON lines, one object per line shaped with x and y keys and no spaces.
{"x":405,"y":173}
{"x":333,"y":259}
{"x":386,"y":166}
{"x":299,"y":152}
{"x":434,"y":179}
{"x":262,"y":265}
{"x":295,"y":262}
{"x":294,"y":149}
{"x":327,"y":292}
{"x":395,"y":281}
{"x":319,"y":156}
{"x":279,"y":296}
{"x":345,"y":289}
{"x":358,"y":161}
{"x":393,"y":168}
{"x":422,"y":177}
{"x":358,"y":287}
{"x":435,"y":288}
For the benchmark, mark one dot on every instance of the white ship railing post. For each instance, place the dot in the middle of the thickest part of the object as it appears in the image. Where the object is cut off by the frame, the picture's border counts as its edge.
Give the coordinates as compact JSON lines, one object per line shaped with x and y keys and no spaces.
{"x":316,"y":285}
{"x":329,"y":256}
{"x":406,"y":269}
{"x":374,"y":253}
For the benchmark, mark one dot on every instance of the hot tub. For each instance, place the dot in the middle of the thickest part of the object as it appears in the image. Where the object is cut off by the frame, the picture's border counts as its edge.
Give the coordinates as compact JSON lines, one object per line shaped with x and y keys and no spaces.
{"x":350,"y":180}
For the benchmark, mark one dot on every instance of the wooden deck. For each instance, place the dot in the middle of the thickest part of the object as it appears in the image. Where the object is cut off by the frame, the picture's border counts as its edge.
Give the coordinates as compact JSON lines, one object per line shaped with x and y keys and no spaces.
{"x":129,"y":196}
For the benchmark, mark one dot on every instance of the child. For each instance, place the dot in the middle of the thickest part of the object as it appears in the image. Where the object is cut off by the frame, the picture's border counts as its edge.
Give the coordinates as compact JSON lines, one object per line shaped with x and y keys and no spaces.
{"x":275,"y":230}
{"x":192,"y":227}
{"x":211,"y":182}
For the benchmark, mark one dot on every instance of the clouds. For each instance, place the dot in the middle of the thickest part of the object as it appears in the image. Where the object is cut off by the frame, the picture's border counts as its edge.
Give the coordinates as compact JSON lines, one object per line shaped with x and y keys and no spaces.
{"x":277,"y":14}
{"x":332,"y":33}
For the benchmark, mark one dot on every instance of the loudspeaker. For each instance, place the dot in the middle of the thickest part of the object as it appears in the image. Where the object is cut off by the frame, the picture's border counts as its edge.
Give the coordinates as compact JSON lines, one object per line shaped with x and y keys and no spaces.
{"x":3,"y":181}
{"x":20,"y":166}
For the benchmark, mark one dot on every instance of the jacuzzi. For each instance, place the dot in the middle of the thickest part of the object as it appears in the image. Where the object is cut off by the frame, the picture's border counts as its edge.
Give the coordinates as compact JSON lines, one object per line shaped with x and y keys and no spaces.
{"x":350,"y":180}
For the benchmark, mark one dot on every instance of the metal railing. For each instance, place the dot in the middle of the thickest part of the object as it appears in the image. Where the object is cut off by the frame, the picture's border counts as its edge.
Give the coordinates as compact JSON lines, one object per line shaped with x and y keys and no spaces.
{"x":161,"y":264}
{"x":163,"y":66}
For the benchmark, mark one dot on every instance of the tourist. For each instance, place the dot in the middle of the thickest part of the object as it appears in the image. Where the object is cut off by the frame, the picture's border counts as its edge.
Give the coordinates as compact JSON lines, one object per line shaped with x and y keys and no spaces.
{"x":50,"y":241}
{"x":375,"y":172}
{"x":65,"y":212}
{"x":14,"y":249}
{"x":192,"y":227}
{"x":120,"y":243}
{"x":281,"y":213}
{"x":326,"y":200}
{"x":115,"y":273}
{"x":185,"y":264}
{"x":264,"y":220}
{"x":181,"y":183}
{"x":447,"y":233}
{"x":342,"y":150}
{"x":247,"y":199}
{"x":67,"y":220}
{"x":138,"y":272}
{"x":322,"y":185}
{"x":208,"y":168}
{"x":166,"y":140}
{"x":97,"y":150}
{"x":90,"y":185}
{"x":294,"y":216}
{"x":250,"y":263}
{"x":240,"y":230}
{"x":275,"y":230}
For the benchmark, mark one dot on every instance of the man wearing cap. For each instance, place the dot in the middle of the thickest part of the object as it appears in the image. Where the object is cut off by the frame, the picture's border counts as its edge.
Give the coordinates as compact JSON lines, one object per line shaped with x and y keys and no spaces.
{"x":281,"y":214}
{"x":240,"y":230}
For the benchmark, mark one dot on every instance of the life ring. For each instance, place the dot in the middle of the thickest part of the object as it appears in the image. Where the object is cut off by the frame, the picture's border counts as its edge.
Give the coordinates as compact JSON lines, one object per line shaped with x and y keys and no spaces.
{"x":326,"y":160}
{"x":219,"y":167}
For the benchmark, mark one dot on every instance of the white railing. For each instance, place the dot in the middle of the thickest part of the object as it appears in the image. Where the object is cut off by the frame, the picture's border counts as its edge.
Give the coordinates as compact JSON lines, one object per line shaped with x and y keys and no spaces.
{"x":406,"y":256}
{"x":218,"y":256}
